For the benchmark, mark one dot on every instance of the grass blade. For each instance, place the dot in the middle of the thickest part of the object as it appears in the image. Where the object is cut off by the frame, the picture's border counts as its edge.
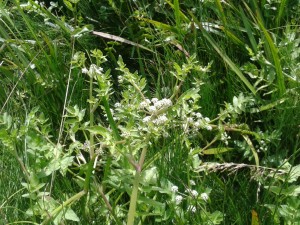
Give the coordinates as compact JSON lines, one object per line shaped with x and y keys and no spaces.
{"x":276,"y":60}
{"x":248,"y":29}
{"x":224,"y":56}
{"x":119,"y":39}
{"x":282,"y":6}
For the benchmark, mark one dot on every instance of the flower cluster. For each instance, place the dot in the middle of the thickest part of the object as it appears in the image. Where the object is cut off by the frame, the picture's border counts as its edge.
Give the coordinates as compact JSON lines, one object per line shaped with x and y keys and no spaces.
{"x":94,"y":70}
{"x":262,"y":147}
{"x":154,"y":107}
{"x":178,"y":199}
{"x":204,"y":196}
{"x":225,"y":137}
{"x":190,"y":195}
{"x":196,"y":121}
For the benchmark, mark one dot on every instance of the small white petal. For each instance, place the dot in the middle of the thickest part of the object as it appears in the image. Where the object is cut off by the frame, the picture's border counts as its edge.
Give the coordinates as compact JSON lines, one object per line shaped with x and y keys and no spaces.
{"x":204,"y":196}
{"x":154,"y":100}
{"x":174,"y":188}
{"x":152,"y":109}
{"x":194,"y":193}
{"x":178,"y":199}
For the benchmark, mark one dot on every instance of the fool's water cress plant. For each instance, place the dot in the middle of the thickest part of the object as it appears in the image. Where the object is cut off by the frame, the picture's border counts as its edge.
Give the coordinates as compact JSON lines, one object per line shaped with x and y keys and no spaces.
{"x":116,"y":144}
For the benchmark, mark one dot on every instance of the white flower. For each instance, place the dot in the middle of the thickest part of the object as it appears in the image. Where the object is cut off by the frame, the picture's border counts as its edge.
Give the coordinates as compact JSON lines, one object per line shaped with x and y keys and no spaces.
{"x":194,"y":193}
{"x":143,"y":105}
{"x":161,"y":119}
{"x":197,"y":124}
{"x":117,"y":105}
{"x":154,"y":100}
{"x":147,"y":119}
{"x":158,"y":104}
{"x":148,"y":101}
{"x":167,"y":102}
{"x":152,"y":109}
{"x":32,"y":66}
{"x":178,"y":199}
{"x":192,"y":208}
{"x":192,"y":182}
{"x":207,"y":119}
{"x":95,"y":69}
{"x":174,"y":188}
{"x":84,"y":70}
{"x":190,"y":120}
{"x":125,"y":134}
{"x":208,"y":127}
{"x":204,"y":196}
{"x":199,"y":115}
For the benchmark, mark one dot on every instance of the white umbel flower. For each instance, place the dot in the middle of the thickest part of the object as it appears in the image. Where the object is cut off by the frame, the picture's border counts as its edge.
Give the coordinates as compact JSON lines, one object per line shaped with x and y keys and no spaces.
{"x":204,"y":196}
{"x":152,"y":109}
{"x":154,"y":100}
{"x":161,"y":119}
{"x":178,"y":199}
{"x":194,"y":193}
{"x":84,"y":70}
{"x":192,"y":208}
{"x":147,"y":119}
{"x":143,"y":105}
{"x":174,"y":188}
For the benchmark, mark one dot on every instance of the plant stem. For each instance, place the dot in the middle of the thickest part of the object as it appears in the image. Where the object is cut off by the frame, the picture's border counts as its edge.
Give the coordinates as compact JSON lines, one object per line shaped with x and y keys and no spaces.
{"x":135,"y":189}
{"x":91,"y":145}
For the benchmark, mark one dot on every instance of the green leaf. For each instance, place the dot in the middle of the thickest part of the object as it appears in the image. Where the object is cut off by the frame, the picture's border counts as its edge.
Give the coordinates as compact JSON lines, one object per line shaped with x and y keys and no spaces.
{"x":71,"y":215}
{"x":151,"y":202}
{"x":160,"y":25}
{"x":275,"y":56}
{"x":294,"y":174}
{"x":292,"y":190}
{"x":149,"y":176}
{"x":272,"y":104}
{"x":214,"y":151}
{"x":69,"y":5}
{"x":98,"y":130}
{"x":65,"y":163}
{"x":74,"y":1}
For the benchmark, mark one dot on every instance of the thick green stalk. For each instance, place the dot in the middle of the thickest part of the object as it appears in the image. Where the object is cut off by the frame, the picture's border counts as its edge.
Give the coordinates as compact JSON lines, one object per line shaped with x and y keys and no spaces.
{"x":91,"y":145}
{"x":133,"y":199}
{"x":135,"y":189}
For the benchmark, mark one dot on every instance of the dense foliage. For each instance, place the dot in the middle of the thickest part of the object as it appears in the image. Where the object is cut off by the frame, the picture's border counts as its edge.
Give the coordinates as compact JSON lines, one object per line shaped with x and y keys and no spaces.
{"x":150,"y":112}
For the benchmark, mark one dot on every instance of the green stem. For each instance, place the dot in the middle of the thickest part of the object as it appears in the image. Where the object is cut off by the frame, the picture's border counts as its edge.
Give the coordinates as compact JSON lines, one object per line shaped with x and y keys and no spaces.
{"x":91,"y":145}
{"x":110,"y":118}
{"x":135,"y":189}
{"x":68,"y":202}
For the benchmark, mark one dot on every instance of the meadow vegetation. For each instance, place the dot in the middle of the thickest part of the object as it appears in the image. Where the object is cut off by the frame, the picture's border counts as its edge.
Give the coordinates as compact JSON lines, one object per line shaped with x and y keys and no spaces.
{"x":150,"y":112}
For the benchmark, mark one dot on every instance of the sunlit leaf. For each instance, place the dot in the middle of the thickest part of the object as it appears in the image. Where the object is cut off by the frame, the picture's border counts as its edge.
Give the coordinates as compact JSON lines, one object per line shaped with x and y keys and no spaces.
{"x":214,"y":151}
{"x":254,"y":220}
